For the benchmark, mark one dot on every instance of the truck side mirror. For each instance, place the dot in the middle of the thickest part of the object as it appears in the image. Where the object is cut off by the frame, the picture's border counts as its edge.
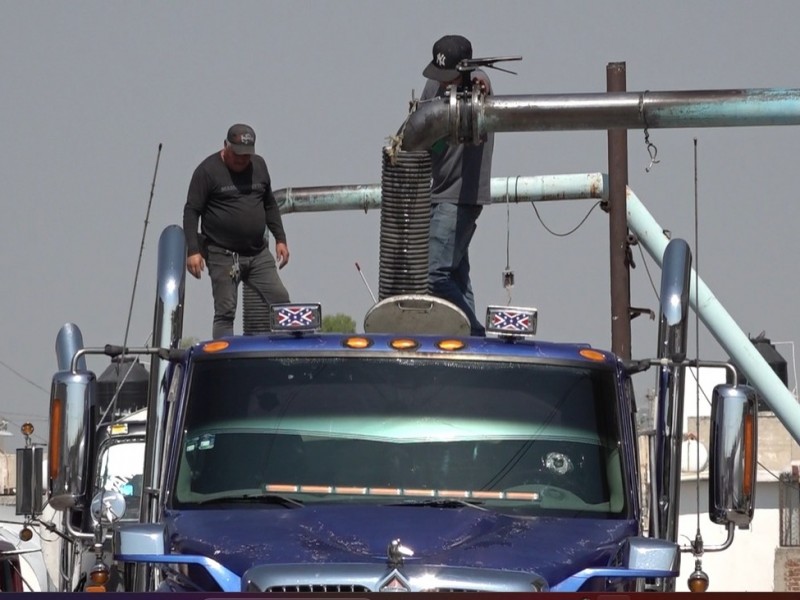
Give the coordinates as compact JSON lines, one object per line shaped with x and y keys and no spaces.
{"x":72,"y":401}
{"x":30,"y":480}
{"x":733,"y":455}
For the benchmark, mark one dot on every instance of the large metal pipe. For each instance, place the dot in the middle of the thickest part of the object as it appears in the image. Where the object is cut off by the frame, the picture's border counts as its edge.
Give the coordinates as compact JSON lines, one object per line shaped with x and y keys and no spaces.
{"x":405,"y":223}
{"x":721,"y":325}
{"x":666,"y":460}
{"x":68,"y":341}
{"x":516,"y":189}
{"x":167,"y":332}
{"x":436,"y":119}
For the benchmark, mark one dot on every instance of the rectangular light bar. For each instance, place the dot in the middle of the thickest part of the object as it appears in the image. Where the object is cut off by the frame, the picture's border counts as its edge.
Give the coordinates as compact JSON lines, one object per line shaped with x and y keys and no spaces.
{"x":511,"y":321}
{"x":290,"y":317}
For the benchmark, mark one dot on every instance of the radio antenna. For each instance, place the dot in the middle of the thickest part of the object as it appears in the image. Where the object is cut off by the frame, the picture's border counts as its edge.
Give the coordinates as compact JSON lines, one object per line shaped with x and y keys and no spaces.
{"x":141,"y":248}
{"x":364,"y":279}
{"x":133,"y":293}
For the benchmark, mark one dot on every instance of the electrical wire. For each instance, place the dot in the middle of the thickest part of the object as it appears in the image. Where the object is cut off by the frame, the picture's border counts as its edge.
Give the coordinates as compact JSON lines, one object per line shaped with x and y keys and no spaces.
{"x":571,"y":231}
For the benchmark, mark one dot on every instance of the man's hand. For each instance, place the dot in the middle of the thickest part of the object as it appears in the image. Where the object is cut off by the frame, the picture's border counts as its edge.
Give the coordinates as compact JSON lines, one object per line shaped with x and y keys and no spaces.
{"x":195,"y":264}
{"x":282,"y":254}
{"x":483,"y":83}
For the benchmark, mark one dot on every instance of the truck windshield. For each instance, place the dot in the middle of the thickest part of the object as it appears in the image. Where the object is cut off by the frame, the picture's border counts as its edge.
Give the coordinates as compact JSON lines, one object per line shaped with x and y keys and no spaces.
{"x":517,"y":437}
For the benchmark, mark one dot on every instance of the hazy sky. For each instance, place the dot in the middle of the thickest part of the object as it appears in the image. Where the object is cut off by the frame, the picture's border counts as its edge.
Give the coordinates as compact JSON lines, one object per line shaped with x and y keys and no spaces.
{"x":90,"y":89}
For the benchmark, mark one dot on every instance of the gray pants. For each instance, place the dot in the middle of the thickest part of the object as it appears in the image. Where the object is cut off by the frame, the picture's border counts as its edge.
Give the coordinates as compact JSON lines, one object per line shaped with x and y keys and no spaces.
{"x":226,"y":269}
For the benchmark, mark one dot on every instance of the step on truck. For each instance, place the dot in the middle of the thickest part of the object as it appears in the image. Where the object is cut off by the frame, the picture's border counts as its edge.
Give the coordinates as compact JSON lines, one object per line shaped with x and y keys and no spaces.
{"x":409,"y":457}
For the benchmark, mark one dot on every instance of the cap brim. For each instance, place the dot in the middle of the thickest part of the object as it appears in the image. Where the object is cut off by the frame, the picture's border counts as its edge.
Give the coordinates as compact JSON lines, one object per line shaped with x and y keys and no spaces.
{"x":243,"y":149}
{"x":439,"y":74}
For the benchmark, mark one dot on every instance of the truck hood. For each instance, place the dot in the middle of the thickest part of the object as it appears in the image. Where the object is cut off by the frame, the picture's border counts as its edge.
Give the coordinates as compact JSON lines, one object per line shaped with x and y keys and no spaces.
{"x":552,"y":547}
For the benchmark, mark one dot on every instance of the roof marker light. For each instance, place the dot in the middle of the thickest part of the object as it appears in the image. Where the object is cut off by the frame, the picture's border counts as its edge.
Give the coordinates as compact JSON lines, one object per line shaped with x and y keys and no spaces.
{"x":451,"y":345}
{"x":215,"y":346}
{"x":592,"y":355}
{"x":404,"y":344}
{"x":357,"y":342}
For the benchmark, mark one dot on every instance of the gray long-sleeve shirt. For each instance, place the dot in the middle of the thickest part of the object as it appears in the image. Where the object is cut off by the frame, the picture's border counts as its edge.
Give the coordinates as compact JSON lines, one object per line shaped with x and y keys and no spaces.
{"x":461,"y":173}
{"x":233,"y":209}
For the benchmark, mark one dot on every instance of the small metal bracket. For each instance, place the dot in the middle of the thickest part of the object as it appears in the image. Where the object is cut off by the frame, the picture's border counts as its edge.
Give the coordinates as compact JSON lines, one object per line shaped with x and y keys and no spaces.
{"x":635,"y":312}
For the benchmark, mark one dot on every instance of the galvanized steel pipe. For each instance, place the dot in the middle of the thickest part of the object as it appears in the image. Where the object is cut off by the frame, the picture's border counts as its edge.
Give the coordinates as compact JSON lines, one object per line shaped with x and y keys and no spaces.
{"x":600,"y":111}
{"x":721,"y":325}
{"x":367,"y":197}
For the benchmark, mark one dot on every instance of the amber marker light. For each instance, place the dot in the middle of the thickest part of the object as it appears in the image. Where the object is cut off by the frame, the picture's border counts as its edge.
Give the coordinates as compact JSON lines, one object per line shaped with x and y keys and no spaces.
{"x":54,"y":444}
{"x":451,"y":345}
{"x":99,"y":574}
{"x":749,"y":448}
{"x":698,"y":580}
{"x":215,"y":346}
{"x":404,"y":344}
{"x":592,"y":354}
{"x":27,"y":429}
{"x":357,"y":343}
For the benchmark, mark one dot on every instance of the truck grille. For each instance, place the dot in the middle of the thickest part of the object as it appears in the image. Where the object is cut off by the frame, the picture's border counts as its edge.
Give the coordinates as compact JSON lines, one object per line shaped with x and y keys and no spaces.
{"x":366,"y":578}
{"x":318,"y":588}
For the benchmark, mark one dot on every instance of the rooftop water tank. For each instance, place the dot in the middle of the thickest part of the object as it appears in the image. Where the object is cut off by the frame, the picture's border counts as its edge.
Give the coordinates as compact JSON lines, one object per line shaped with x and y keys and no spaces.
{"x":133,"y":378}
{"x":774,"y":359}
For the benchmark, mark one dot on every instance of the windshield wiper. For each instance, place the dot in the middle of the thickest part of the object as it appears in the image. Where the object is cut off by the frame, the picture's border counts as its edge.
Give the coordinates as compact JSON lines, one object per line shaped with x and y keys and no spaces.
{"x":444,"y":503}
{"x":255,"y":499}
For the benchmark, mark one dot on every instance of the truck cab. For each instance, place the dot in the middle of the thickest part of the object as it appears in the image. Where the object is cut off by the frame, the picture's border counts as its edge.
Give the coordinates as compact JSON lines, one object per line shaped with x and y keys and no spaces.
{"x":324,"y":454}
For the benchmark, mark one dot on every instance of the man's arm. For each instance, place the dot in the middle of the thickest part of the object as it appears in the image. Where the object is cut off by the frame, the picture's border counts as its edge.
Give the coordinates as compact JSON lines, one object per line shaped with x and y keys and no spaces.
{"x":192,"y":212}
{"x":275,"y":226}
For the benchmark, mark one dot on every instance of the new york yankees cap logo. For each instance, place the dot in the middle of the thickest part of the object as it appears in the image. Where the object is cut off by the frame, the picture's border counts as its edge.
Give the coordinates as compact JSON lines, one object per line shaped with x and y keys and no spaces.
{"x":448,"y":51}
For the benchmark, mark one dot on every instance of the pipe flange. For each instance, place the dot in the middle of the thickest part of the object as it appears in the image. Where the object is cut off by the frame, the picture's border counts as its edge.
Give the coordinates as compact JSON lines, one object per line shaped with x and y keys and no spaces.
{"x":454,"y":114}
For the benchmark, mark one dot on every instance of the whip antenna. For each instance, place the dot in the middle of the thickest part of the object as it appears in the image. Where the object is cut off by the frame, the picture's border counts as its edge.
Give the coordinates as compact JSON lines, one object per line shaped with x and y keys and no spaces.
{"x":141,"y":250}
{"x":364,"y":279}
{"x":135,"y":279}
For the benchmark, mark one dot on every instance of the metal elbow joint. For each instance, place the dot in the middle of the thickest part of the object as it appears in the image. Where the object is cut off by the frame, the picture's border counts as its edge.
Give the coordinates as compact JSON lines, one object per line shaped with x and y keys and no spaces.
{"x":457,"y":117}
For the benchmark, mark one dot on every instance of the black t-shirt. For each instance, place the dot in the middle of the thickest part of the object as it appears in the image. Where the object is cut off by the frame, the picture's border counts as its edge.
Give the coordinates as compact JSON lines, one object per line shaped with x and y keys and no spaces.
{"x":232,"y":208}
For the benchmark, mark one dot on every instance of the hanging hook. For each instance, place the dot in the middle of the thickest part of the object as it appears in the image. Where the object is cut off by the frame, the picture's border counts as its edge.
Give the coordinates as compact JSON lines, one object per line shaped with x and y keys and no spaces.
{"x":652,"y":151}
{"x":508,"y":274}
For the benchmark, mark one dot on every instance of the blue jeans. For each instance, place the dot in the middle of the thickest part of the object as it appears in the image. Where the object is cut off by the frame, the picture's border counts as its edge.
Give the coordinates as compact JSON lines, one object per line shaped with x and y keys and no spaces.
{"x":259,"y":272}
{"x":452,"y":228}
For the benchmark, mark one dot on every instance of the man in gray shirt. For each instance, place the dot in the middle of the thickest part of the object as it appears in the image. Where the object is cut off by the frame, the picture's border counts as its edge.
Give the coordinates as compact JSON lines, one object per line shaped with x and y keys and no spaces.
{"x":460,"y":186}
{"x":230,"y":196}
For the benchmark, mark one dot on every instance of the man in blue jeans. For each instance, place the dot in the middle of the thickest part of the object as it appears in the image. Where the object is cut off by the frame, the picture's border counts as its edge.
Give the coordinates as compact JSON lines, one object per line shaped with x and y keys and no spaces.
{"x":460,"y":186}
{"x":230,"y":195}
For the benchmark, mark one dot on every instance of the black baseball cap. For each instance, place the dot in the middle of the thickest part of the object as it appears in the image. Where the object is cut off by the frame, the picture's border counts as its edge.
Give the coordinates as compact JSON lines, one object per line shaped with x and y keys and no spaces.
{"x":242,"y":139}
{"x":448,"y":51}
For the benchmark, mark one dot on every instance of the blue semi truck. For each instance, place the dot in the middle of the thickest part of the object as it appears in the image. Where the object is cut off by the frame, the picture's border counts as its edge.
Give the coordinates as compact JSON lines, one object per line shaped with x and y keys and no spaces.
{"x":414,"y":457}
{"x":409,"y":457}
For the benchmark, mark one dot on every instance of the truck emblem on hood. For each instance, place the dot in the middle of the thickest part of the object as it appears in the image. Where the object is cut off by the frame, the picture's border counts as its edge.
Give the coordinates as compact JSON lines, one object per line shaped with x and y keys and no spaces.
{"x":397,"y":553}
